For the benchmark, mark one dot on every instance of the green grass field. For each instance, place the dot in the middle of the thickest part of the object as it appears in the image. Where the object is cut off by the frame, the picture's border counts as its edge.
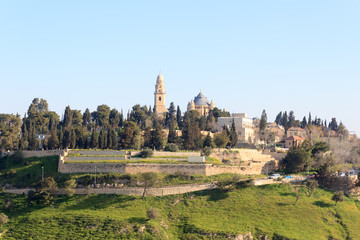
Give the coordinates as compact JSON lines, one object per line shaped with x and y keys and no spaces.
{"x":211,"y":214}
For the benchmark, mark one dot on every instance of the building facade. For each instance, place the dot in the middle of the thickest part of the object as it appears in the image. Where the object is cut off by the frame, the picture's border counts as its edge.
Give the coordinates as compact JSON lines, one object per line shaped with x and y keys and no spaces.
{"x":159,"y":96}
{"x":243,"y":126}
{"x":201,"y":104}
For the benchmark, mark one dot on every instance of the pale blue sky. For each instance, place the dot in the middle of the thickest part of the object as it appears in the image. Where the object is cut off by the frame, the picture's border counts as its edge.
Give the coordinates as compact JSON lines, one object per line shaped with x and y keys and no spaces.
{"x":245,"y":55}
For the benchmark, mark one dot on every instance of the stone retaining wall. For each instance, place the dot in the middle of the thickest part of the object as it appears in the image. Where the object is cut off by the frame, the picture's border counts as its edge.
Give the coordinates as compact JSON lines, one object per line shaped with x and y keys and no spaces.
{"x":44,"y":153}
{"x":135,"y":191}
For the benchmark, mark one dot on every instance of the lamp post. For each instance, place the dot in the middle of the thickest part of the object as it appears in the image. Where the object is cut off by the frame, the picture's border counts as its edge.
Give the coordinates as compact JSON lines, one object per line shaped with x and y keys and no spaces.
{"x":95,"y":176}
{"x":42,"y":173}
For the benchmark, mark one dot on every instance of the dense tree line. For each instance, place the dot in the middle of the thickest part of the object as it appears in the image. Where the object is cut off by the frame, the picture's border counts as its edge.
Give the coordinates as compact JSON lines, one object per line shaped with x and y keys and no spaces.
{"x":107,"y":128}
{"x":288,"y":120}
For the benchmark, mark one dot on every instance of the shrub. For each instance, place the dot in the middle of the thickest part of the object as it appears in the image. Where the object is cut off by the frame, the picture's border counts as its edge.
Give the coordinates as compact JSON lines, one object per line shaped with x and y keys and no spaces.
{"x":3,"y":219}
{"x":146,"y":153}
{"x":42,"y":198}
{"x":172,"y":147}
{"x":338,"y":197}
{"x":7,"y":204}
{"x":206,"y":151}
{"x":152,"y":213}
{"x":69,"y":187}
{"x":46,"y":184}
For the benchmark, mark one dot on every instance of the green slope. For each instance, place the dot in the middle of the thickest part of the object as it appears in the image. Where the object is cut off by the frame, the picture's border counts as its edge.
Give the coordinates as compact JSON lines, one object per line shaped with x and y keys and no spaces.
{"x":212,"y":214}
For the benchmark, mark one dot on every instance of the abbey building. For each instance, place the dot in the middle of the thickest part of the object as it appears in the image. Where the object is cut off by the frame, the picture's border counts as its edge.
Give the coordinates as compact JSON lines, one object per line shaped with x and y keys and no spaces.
{"x":200,"y":103}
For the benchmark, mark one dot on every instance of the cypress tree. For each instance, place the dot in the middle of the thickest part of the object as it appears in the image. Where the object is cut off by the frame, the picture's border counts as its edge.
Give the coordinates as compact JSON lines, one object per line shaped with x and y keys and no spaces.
{"x":233,"y":134}
{"x":263,"y":121}
{"x":179,"y":117}
{"x":94,"y":142}
{"x":304,"y":123}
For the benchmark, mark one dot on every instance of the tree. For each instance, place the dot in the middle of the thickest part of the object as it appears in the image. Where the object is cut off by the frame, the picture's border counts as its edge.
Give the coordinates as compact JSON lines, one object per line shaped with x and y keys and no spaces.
{"x":178,"y":117}
{"x":172,"y":131}
{"x":67,"y":117}
{"x":284,"y":121}
{"x":102,"y":115}
{"x":129,"y":133}
{"x":309,"y":119}
{"x":47,"y":184}
{"x":208,"y":142}
{"x":338,"y":197}
{"x":221,"y":139}
{"x":37,"y":107}
{"x":191,"y":130}
{"x":333,"y":125}
{"x":94,"y":142}
{"x":297,"y":159}
{"x":157,"y":137}
{"x":138,"y":115}
{"x":233,"y":134}
{"x":149,"y":179}
{"x":86,"y":118}
{"x":278,"y":118}
{"x":10,"y":128}
{"x":170,"y":115}
{"x":114,"y":118}
{"x":311,"y":185}
{"x":303,"y":123}
{"x":292,"y":121}
{"x":263,"y":121}
{"x":70,"y":186}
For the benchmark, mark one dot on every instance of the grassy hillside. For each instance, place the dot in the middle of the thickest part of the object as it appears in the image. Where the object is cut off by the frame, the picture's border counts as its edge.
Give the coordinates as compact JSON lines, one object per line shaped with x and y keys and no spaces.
{"x":212,"y":214}
{"x":28,"y":172}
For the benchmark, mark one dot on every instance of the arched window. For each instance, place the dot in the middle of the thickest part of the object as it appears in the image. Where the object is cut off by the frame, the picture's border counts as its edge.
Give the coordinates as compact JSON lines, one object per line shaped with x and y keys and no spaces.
{"x":160,"y":99}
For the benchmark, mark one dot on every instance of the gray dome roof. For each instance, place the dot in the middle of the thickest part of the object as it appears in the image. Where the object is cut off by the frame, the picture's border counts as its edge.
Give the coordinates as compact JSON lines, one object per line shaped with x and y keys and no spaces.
{"x":201,"y":100}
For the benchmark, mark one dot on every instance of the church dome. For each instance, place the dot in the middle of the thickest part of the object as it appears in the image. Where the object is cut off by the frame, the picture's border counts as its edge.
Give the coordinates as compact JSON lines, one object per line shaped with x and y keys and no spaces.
{"x":201,"y":100}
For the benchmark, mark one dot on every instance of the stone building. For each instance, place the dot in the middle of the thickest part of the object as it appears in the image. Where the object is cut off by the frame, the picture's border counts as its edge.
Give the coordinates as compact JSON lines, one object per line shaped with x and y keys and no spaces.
{"x":201,"y":104}
{"x":243,"y":126}
{"x":294,"y":141}
{"x":159,"y":96}
{"x":295,"y":131}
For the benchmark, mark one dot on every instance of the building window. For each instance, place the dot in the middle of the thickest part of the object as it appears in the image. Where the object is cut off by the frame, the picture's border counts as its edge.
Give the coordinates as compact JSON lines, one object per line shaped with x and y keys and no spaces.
{"x":160,"y":99}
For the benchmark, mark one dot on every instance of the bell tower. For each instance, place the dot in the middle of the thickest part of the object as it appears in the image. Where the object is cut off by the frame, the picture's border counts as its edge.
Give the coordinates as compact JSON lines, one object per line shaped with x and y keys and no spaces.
{"x":160,"y":95}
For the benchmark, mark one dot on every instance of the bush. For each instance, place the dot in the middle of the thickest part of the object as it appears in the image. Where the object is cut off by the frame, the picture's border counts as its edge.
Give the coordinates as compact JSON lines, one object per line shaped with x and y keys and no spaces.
{"x":206,"y":151}
{"x":146,"y":153}
{"x":3,"y":219}
{"x":152,"y":213}
{"x":69,"y":187}
{"x":46,"y":184}
{"x":7,"y":204}
{"x":42,"y":198}
{"x":172,"y":147}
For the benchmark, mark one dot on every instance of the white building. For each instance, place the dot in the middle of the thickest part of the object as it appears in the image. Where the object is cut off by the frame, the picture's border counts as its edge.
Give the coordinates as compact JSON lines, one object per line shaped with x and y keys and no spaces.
{"x":243,"y":126}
